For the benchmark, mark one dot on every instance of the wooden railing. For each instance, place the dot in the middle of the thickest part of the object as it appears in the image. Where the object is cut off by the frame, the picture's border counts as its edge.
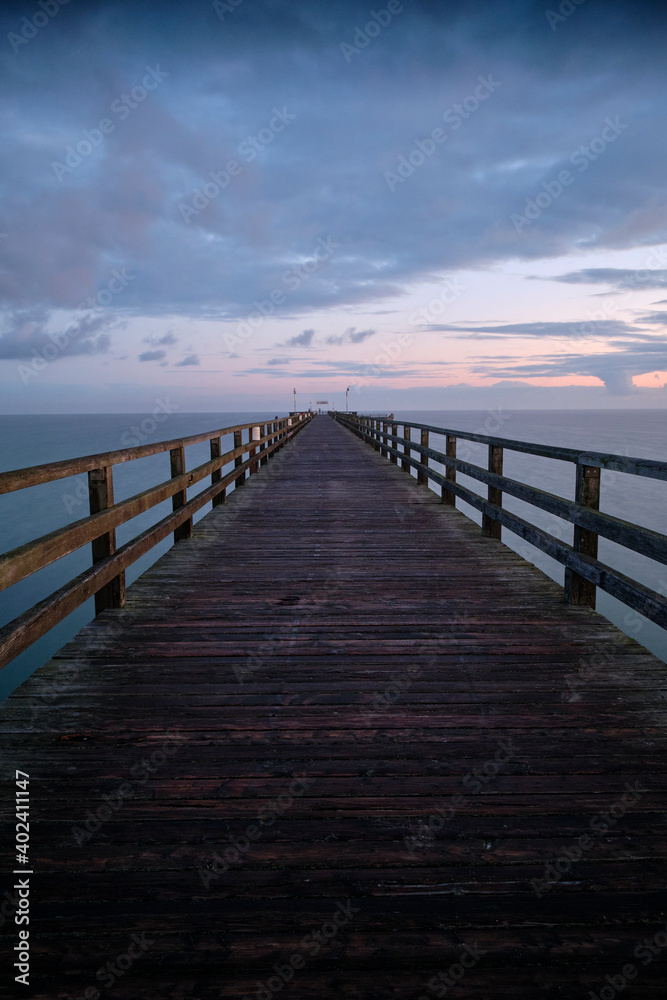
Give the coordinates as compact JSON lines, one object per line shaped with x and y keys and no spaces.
{"x":105,"y":579}
{"x":583,"y":570}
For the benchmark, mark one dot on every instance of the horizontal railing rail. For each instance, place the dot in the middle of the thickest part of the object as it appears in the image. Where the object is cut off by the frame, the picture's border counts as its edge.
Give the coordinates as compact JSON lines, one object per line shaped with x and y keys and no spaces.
{"x":584,"y":572}
{"x":105,"y":579}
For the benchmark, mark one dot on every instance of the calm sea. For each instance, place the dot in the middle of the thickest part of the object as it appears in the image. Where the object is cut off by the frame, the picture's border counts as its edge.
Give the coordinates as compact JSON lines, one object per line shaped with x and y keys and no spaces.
{"x":31,"y":440}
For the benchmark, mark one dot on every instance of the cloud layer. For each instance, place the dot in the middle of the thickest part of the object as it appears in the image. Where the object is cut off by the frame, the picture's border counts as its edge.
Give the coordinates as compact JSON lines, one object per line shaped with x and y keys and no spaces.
{"x":255,"y":123}
{"x":199,"y":169}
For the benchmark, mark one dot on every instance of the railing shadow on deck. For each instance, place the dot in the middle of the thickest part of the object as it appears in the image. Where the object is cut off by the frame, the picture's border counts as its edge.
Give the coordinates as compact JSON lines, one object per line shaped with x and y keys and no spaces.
{"x":584,"y":572}
{"x":105,"y":579}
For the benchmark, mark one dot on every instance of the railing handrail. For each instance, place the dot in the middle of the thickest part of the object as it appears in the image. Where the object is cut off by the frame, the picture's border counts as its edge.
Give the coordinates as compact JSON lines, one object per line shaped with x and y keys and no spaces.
{"x":106,"y":578}
{"x":34,"y":475}
{"x":649,"y":467}
{"x":583,"y":570}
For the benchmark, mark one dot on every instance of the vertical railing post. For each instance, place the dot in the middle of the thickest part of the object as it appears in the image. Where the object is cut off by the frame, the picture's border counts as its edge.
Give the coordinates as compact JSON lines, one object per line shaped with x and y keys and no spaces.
{"x":394,"y":431}
{"x":490,"y":527}
{"x":406,"y":449}
{"x":383,"y":450}
{"x":577,"y":589}
{"x":100,"y":494}
{"x":422,"y":477}
{"x":177,"y":456}
{"x":262,"y":448}
{"x":238,"y":442}
{"x":216,"y":475}
{"x":253,"y":435}
{"x":450,"y":475}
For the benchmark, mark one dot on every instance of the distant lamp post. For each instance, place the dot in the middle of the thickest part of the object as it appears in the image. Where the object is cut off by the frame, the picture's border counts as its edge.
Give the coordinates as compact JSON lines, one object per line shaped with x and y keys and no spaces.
{"x":347,"y":392}
{"x":294,"y":391}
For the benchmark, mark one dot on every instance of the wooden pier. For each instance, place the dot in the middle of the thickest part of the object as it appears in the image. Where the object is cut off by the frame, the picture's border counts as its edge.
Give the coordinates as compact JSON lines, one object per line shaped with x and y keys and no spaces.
{"x":340,"y":743}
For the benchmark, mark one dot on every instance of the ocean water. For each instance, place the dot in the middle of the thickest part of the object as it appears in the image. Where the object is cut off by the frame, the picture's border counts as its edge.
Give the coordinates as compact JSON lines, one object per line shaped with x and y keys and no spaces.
{"x":32,"y":440}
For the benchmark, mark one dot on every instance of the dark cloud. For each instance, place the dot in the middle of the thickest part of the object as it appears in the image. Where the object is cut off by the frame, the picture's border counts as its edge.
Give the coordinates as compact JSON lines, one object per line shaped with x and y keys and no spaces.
{"x":621,"y":278}
{"x":351,"y":336}
{"x":26,"y":334}
{"x":278,"y":361}
{"x":322,"y":173}
{"x":168,"y":340}
{"x":607,"y":328}
{"x":303,"y":339}
{"x":654,"y":318}
{"x":152,"y":356}
{"x":190,"y":360}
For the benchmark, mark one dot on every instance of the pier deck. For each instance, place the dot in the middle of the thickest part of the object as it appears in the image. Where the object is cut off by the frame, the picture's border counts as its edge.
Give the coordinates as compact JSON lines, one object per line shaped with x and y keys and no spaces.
{"x":338,"y":710}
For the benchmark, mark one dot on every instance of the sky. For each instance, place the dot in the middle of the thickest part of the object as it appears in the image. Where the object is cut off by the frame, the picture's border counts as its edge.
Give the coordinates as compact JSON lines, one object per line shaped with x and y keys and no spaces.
{"x":438,"y":205}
